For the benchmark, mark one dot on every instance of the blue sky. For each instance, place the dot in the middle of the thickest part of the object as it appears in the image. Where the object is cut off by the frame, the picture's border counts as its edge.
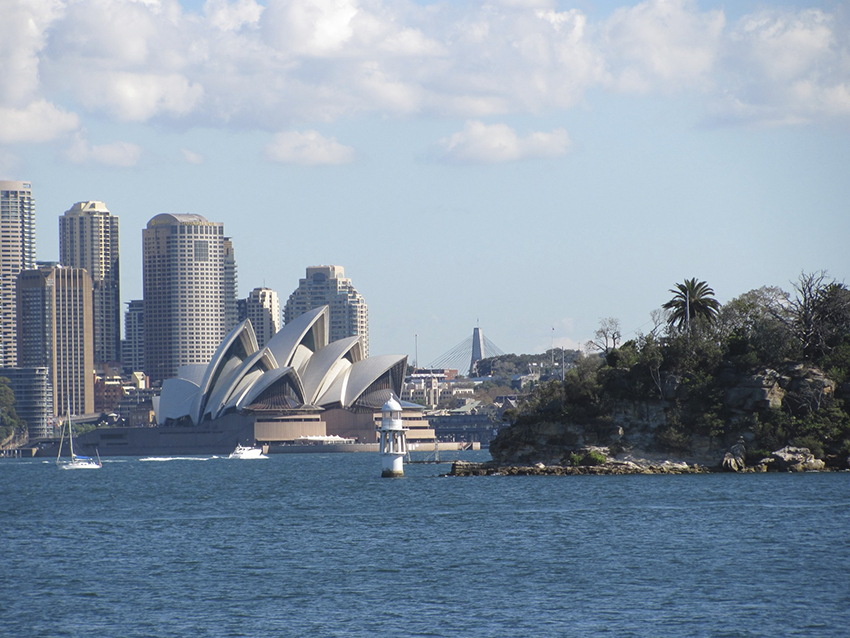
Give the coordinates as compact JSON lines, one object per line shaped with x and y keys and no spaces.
{"x":523,"y":165}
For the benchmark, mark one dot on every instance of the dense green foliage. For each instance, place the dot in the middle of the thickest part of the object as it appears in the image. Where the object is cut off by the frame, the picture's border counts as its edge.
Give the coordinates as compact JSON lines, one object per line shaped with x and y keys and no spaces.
{"x":692,"y":301}
{"x":790,"y":352}
{"x":9,"y":421}
{"x":509,"y":365}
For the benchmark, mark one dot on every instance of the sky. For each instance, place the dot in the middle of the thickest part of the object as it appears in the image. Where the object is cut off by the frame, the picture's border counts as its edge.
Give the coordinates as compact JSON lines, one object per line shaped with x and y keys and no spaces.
{"x":526,"y":166}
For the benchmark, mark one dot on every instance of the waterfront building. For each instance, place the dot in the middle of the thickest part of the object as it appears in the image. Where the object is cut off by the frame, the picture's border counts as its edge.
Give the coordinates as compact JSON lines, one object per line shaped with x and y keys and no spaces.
{"x":328,"y":286}
{"x":263,"y":309}
{"x":17,"y":253}
{"x":33,"y":398}
{"x":54,"y":311}
{"x":135,"y":408}
{"x":88,"y":238}
{"x":184,"y":284}
{"x":108,"y":391}
{"x":133,"y":345}
{"x":299,"y":384}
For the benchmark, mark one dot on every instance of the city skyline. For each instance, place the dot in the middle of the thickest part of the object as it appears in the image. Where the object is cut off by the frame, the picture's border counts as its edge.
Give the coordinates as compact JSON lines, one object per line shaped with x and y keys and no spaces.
{"x":529,"y":167}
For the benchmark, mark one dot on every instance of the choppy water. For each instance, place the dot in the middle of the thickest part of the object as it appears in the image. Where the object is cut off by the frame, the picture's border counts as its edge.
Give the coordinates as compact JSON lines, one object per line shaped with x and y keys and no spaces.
{"x":320,"y":545}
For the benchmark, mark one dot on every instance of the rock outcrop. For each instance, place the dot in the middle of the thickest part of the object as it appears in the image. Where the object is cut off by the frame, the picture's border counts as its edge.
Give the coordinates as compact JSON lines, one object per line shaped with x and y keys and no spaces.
{"x":642,"y":425}
{"x":755,"y":392}
{"x":796,"y":459}
{"x":735,"y":459}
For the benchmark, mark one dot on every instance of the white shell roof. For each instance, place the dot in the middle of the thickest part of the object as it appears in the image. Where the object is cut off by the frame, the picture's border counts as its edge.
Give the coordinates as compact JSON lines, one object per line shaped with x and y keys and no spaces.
{"x":263,"y":360}
{"x":176,"y":399}
{"x":348,"y":388}
{"x":268,"y":380}
{"x":193,"y":372}
{"x":286,"y":341}
{"x":326,"y":362}
{"x":222,"y":362}
{"x":321,"y":374}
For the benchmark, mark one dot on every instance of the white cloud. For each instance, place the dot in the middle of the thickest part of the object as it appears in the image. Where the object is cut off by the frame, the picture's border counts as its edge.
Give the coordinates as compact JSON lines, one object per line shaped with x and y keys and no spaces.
{"x":119,"y":154}
{"x":240,"y":64}
{"x":137,"y":97}
{"x":784,"y":45}
{"x":39,"y":121}
{"x":25,"y":25}
{"x":310,"y":27}
{"x":479,"y":143}
{"x":309,"y":148}
{"x":191,"y":157}
{"x":662,"y":43}
{"x":786,"y":68}
{"x":231,"y":17}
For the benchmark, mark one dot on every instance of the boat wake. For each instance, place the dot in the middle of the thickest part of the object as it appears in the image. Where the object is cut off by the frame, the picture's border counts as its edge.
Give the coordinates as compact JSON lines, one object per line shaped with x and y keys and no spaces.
{"x":178,"y":458}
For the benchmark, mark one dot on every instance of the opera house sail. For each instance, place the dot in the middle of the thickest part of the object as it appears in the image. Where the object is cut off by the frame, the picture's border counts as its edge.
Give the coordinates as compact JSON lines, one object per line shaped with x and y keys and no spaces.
{"x":297,"y":386}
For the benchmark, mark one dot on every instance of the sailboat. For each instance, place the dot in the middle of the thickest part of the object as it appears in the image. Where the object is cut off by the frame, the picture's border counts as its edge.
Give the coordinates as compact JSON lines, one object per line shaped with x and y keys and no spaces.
{"x":77,"y":462}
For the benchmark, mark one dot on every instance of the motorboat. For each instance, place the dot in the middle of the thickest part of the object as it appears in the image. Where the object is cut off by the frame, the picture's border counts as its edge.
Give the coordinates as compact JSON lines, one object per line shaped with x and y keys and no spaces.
{"x":247,"y":452}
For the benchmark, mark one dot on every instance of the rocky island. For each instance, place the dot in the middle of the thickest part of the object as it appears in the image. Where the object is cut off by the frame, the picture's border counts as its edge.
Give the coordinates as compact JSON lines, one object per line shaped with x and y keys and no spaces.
{"x":759,"y":384}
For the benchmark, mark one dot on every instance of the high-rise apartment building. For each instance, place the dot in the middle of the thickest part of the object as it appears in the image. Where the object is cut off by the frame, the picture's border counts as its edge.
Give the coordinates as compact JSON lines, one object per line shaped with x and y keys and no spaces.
{"x":54,"y":313}
{"x":133,"y":345}
{"x":33,"y":399}
{"x":17,"y":253}
{"x":184,"y":306}
{"x":88,"y":238}
{"x":328,"y":286}
{"x":262,"y":307}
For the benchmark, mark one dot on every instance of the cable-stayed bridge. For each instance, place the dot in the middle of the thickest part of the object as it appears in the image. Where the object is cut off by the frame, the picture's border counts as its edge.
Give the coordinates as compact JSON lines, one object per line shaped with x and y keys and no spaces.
{"x":465,"y":355}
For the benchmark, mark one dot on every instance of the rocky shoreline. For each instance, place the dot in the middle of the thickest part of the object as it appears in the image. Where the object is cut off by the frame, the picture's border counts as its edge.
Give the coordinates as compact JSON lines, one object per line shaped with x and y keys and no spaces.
{"x":789,"y":459}
{"x":491,"y":468}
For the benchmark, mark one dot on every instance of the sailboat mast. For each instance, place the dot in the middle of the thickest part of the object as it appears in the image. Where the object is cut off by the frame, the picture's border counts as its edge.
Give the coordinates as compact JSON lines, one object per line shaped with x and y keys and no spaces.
{"x":61,"y":438}
{"x":70,"y":431}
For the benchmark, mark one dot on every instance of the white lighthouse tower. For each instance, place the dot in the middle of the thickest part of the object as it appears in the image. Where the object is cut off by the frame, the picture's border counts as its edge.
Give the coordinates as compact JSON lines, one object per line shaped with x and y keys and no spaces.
{"x":393,"y":441}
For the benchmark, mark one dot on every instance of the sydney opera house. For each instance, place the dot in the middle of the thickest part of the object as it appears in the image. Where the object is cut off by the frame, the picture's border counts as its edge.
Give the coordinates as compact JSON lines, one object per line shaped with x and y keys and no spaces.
{"x":298,"y":388}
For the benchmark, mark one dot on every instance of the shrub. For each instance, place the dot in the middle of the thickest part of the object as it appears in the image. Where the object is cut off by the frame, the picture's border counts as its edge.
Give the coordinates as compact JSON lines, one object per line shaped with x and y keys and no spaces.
{"x":594,"y":457}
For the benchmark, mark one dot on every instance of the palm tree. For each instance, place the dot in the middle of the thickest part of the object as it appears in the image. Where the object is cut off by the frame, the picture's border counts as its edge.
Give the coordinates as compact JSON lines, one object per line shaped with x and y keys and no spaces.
{"x":692,"y":301}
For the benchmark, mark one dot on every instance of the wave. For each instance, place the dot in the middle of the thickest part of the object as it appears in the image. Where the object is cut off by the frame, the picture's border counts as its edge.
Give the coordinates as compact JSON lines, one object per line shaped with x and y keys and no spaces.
{"x":178,"y":458}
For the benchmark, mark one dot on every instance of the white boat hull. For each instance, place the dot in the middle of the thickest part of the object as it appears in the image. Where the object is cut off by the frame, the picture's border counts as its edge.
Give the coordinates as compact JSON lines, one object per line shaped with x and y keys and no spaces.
{"x":242,"y":452}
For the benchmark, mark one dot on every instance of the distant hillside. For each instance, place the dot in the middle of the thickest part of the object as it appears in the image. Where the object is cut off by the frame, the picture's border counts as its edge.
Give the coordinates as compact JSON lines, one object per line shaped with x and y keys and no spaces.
{"x":507,"y":366}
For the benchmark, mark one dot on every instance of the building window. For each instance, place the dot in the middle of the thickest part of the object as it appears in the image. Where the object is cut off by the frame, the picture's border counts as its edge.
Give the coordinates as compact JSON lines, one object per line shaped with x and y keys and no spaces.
{"x":202,"y":250}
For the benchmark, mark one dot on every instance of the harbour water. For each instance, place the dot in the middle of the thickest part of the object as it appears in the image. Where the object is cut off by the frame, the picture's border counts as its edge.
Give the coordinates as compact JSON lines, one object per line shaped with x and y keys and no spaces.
{"x":320,"y":545}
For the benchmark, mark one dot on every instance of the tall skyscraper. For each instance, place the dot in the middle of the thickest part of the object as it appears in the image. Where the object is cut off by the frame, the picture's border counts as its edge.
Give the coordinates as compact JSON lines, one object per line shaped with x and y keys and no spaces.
{"x":88,"y":238}
{"x":17,"y":253}
{"x":229,"y":290}
{"x":133,"y":346}
{"x":55,"y":331}
{"x":183,"y":273}
{"x":263,"y":309}
{"x":328,"y":286}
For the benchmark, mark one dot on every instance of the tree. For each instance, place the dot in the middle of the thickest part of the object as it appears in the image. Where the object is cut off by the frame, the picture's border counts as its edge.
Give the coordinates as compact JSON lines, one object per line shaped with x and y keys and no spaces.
{"x":693,"y":301}
{"x":755,"y":327}
{"x":820,"y":314}
{"x":9,"y":420}
{"x":607,"y":335}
